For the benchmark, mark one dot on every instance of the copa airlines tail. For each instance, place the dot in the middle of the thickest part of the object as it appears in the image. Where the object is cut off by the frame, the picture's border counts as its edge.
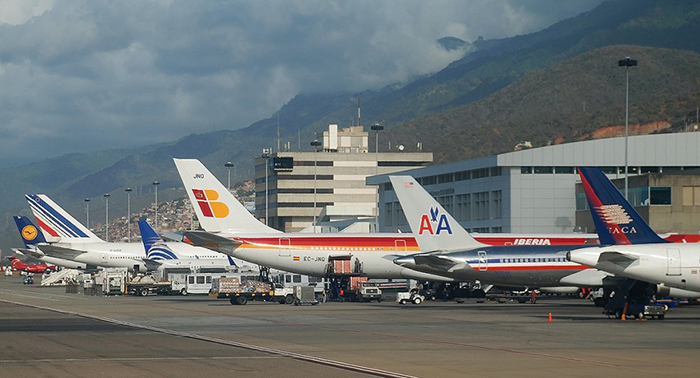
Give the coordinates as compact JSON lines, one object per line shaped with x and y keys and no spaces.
{"x":29,"y":233}
{"x":615,"y":219}
{"x":217,"y":209}
{"x":56,"y":223}
{"x":155,"y":247}
{"x":433,"y":228}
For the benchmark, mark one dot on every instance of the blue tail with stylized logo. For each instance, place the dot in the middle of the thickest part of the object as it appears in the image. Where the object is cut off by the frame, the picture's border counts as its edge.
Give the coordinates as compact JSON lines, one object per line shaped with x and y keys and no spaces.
{"x":155,"y":247}
{"x":615,"y":219}
{"x":31,"y":236}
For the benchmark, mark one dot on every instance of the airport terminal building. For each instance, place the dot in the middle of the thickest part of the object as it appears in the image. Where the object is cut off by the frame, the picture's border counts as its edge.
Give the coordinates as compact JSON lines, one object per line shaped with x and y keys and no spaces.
{"x":535,"y":190}
{"x":295,"y":188}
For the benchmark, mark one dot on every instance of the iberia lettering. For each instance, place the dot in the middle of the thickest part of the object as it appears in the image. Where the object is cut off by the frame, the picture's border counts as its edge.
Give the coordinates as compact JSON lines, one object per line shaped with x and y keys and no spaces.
{"x":532,"y":242}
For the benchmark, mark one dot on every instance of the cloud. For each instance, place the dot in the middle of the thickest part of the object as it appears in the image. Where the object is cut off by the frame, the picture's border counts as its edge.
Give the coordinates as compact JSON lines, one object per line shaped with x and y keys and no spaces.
{"x":91,"y":75}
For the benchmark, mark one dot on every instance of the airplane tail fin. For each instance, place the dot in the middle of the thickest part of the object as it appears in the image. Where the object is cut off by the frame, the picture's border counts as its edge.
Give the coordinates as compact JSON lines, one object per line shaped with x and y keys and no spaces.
{"x":155,"y":247}
{"x":16,"y":263}
{"x":615,"y":219}
{"x":433,"y":228}
{"x":217,"y":209}
{"x":56,"y":223}
{"x":29,"y":233}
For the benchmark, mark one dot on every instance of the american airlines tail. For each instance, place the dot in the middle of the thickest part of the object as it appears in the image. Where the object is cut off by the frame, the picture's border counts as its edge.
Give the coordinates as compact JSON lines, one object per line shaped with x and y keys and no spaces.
{"x":29,"y":233}
{"x":155,"y":247}
{"x":217,"y":209}
{"x":433,"y":228}
{"x":615,"y":219}
{"x":56,"y":224}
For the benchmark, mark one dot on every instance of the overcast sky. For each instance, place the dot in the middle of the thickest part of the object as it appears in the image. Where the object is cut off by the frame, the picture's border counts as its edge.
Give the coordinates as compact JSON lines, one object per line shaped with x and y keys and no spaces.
{"x":78,"y":76}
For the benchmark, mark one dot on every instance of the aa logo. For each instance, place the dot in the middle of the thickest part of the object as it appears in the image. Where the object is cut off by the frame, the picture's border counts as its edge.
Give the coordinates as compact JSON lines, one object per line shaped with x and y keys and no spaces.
{"x":435,"y":223}
{"x":208,"y":204}
{"x":29,"y":232}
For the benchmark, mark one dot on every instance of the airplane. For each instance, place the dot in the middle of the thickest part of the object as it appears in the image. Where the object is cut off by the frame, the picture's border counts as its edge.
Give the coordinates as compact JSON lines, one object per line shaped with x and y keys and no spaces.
{"x":449,"y":250}
{"x":230,"y":228}
{"x":629,"y":247}
{"x":69,"y":239}
{"x":32,"y":238}
{"x":17,"y":264}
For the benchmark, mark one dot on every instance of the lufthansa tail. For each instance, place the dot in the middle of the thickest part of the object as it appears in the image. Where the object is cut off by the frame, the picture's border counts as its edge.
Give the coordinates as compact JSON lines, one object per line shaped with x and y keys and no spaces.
{"x":433,"y":228}
{"x":615,"y":219}
{"x":56,"y":223}
{"x":29,"y":233}
{"x":217,"y":209}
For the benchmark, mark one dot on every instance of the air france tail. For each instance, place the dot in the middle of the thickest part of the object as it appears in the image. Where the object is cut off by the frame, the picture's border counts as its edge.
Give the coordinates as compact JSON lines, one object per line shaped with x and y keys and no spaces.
{"x":155,"y":247}
{"x":217,"y":209}
{"x":29,"y":233}
{"x":615,"y":219}
{"x":56,"y":223}
{"x":433,"y":228}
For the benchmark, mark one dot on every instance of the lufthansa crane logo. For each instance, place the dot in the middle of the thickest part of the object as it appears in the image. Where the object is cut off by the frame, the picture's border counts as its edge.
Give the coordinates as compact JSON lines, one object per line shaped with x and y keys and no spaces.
{"x":29,"y":232}
{"x":207,"y":201}
{"x":434,"y":223}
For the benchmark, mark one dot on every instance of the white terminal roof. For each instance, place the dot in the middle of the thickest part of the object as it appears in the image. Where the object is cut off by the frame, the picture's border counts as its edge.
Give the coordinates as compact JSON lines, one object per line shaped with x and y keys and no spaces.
{"x":659,"y":150}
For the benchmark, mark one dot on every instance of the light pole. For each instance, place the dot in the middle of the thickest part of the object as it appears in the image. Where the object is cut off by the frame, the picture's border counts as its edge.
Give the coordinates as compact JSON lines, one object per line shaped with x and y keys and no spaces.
{"x":128,"y":213}
{"x":315,"y":144}
{"x":229,"y":165}
{"x":266,"y":156}
{"x":87,"y":212}
{"x":627,"y":63}
{"x":155,"y":185}
{"x":377,"y":128}
{"x":106,"y":195}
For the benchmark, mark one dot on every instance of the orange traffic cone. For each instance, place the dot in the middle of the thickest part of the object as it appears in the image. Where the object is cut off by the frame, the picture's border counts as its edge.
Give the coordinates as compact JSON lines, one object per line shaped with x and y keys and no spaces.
{"x":550,"y":317}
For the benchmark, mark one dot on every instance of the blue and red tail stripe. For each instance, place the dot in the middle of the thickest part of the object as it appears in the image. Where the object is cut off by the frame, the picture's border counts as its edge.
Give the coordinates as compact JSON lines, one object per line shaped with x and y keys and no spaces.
{"x":615,"y":219}
{"x":53,"y":218}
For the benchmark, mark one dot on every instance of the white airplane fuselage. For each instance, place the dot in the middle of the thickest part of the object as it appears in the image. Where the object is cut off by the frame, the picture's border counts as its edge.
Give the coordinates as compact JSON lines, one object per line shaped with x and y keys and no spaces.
{"x":671,"y":264}
{"x":314,"y":254}
{"x":132,"y":255}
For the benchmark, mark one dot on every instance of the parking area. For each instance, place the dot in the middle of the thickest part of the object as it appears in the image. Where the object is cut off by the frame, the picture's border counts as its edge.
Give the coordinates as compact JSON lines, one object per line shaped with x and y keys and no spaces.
{"x":163,"y":334}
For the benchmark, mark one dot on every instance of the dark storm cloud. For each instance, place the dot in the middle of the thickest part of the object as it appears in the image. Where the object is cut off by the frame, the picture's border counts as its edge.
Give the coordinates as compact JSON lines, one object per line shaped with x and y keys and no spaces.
{"x":91,"y":75}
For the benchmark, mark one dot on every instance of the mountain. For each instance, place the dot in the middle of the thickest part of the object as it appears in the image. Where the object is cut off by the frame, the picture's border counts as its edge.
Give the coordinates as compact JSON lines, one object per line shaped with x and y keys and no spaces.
{"x":502,"y":91}
{"x":567,"y":102}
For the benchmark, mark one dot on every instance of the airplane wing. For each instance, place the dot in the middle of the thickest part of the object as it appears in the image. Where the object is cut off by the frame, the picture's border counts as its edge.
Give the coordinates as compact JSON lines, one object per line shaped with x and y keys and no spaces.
{"x":212,"y":241}
{"x":152,"y":264}
{"x":617,"y":257}
{"x":441,"y":262}
{"x":60,"y":252}
{"x":28,"y":251}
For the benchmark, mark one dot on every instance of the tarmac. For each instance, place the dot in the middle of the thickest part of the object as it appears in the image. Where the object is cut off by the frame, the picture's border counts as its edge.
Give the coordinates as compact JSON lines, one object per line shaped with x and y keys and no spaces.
{"x":46,"y":332}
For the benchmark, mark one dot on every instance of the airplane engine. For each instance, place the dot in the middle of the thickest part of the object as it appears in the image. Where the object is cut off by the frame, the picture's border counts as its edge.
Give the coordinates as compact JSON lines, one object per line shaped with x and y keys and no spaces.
{"x":665,"y":291}
{"x":560,"y":290}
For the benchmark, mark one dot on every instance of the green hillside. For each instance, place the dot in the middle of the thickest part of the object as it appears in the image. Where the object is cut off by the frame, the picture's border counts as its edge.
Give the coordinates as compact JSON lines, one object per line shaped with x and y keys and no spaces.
{"x":564,"y":103}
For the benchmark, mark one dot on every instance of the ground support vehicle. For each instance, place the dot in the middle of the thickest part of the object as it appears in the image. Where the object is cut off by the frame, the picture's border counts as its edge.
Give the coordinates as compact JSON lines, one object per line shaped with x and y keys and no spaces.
{"x":240,"y":292}
{"x":368,"y":291}
{"x":409,"y":297}
{"x":632,"y":298}
{"x":111,"y":281}
{"x":142,"y":285}
{"x":304,"y":295}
